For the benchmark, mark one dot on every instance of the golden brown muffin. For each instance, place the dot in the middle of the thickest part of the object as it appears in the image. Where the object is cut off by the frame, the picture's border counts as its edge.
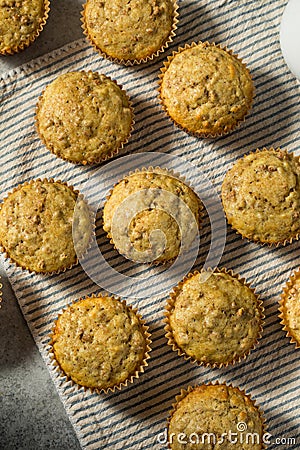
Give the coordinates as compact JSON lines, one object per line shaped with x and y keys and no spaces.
{"x":130,"y":32}
{"x":205,"y":89}
{"x":161,"y":202}
{"x":261,"y":196}
{"x":100,"y":343}
{"x":204,"y":416}
{"x":36,"y":226}
{"x":213,"y":318}
{"x":21,"y":21}
{"x":84,"y":117}
{"x":290,"y":308}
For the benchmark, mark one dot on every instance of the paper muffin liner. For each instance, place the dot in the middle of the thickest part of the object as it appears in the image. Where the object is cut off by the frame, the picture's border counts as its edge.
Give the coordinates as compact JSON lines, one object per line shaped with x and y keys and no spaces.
{"x":133,"y":62}
{"x":169,"y":173}
{"x":279,"y":243}
{"x":184,"y":392}
{"x":282,"y":308}
{"x":163,"y":70}
{"x":171,"y":302}
{"x":6,"y":252}
{"x":23,"y":45}
{"x":117,"y":387}
{"x":103,"y":158}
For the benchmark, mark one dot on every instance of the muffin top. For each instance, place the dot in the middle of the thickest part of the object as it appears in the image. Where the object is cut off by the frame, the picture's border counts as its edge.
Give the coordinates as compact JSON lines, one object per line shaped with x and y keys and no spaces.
{"x":36,"y":226}
{"x":84,"y":117}
{"x":145,"y":202}
{"x":205,"y":89}
{"x":290,"y":308}
{"x":261,"y":196}
{"x":214,"y":320}
{"x":99,"y":342}
{"x":20,"y":21}
{"x":131,"y":30}
{"x":215,"y":409}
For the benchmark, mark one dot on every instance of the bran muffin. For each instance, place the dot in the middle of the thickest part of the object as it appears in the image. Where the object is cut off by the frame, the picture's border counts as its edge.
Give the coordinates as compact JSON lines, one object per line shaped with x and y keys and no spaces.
{"x":205,"y":89}
{"x":261,"y":196}
{"x":145,"y":202}
{"x":130,"y":32}
{"x":213,"y":318}
{"x":206,"y":414}
{"x":36,"y":226}
{"x":290,"y":308}
{"x":100,"y":343}
{"x":84,"y":117}
{"x":21,"y":21}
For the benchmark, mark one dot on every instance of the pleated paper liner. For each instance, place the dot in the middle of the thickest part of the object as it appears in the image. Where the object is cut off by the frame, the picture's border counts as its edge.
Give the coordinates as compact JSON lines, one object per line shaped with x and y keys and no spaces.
{"x":241,"y":425}
{"x":159,"y":171}
{"x":91,"y":160}
{"x":169,"y":332}
{"x":101,"y":386}
{"x":132,"y":61}
{"x":279,"y":242}
{"x":289,"y":308}
{"x":86,"y":238}
{"x":223,"y":130}
{"x":20,"y":46}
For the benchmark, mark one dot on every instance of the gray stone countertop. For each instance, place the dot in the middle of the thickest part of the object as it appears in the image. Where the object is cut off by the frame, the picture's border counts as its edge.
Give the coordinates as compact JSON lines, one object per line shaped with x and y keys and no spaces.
{"x":31,"y":414}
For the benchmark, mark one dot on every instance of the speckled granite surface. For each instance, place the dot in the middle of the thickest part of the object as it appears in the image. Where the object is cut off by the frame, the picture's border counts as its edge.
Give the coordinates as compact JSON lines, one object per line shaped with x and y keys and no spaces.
{"x":31,"y":414}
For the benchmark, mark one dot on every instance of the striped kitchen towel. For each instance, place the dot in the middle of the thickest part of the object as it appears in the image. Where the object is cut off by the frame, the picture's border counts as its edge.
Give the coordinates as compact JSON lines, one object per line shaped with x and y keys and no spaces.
{"x":135,"y":417}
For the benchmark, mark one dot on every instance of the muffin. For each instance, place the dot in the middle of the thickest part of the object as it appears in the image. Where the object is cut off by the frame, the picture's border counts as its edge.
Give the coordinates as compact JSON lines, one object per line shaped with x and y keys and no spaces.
{"x":152,"y":216}
{"x":21,"y":21}
{"x":213,"y":318}
{"x":100,"y":343}
{"x":130,"y":32}
{"x":261,"y":196}
{"x":36,"y":226}
{"x":205,"y":89}
{"x":290,"y":308}
{"x":84,"y":117}
{"x":204,"y":416}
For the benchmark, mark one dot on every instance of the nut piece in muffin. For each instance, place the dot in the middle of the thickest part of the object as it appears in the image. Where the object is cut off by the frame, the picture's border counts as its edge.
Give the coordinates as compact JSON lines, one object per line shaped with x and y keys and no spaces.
{"x":261,"y":196}
{"x":21,"y":21}
{"x":204,"y":416}
{"x":132,"y":31}
{"x":36,"y":226}
{"x":214,"y":318}
{"x":152,"y":216}
{"x":100,"y":343}
{"x":84,"y":117}
{"x":290,"y":308}
{"x":205,"y":89}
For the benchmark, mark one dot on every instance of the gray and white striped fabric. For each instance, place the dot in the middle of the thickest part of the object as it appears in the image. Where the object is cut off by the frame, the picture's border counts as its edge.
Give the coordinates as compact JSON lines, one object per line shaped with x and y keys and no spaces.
{"x":133,"y":418}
